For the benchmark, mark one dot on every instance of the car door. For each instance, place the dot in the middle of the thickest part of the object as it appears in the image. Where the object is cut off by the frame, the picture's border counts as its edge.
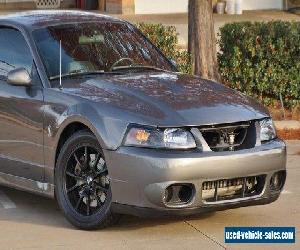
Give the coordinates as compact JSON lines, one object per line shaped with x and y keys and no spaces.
{"x":21,"y":111}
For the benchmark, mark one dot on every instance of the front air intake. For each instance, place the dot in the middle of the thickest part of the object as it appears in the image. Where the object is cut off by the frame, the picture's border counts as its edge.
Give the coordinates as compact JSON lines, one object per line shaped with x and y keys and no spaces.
{"x":229,"y":189}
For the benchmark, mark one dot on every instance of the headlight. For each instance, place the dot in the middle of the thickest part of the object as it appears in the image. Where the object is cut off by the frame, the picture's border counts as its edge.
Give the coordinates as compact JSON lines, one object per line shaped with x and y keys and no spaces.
{"x":172,"y":138}
{"x":267,"y":130}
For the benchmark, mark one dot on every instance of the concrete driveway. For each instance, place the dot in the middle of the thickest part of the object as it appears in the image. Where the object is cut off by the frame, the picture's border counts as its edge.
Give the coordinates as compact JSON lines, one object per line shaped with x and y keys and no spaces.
{"x":32,"y":222}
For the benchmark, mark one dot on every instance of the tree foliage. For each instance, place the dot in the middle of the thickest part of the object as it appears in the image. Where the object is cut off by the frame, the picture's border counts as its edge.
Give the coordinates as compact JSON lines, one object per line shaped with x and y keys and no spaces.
{"x":262,"y":60}
{"x":166,"y":39}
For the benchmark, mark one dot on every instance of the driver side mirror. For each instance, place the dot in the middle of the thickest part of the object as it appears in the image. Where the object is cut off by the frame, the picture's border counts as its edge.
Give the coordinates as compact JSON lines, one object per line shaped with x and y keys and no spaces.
{"x":19,"y":77}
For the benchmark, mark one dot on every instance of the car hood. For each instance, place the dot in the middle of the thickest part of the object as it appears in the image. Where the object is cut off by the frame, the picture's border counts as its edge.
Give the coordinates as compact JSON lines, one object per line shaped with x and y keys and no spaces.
{"x":167,"y":99}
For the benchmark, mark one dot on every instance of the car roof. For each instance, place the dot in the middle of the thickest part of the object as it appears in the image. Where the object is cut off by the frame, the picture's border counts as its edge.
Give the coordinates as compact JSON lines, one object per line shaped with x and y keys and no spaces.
{"x":39,"y":19}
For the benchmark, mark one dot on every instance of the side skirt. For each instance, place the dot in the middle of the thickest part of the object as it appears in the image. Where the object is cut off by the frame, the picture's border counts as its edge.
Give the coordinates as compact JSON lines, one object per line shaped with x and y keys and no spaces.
{"x":23,"y":184}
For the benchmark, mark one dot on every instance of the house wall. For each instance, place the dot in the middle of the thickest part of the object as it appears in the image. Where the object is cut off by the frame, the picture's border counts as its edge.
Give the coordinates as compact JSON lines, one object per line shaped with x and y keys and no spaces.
{"x":120,"y":6}
{"x":143,"y":6}
{"x":262,"y":4}
{"x":17,"y":4}
{"x":30,"y":4}
{"x":178,"y":6}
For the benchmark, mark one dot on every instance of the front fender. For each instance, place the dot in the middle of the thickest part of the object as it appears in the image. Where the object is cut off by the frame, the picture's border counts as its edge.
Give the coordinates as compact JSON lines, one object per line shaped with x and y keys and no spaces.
{"x":109,"y":131}
{"x":58,"y":116}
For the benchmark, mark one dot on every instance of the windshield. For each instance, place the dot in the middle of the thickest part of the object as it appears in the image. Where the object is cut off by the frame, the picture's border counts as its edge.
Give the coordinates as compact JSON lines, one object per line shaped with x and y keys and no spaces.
{"x":96,"y":47}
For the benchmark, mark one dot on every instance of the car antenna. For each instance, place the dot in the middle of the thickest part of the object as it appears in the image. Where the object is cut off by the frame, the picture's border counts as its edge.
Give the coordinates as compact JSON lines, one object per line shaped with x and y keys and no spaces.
{"x":60,"y":85}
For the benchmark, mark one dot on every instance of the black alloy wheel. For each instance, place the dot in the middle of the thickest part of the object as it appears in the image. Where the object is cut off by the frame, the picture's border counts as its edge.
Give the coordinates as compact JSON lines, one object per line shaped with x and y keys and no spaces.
{"x":82,"y":183}
{"x":86,"y":180}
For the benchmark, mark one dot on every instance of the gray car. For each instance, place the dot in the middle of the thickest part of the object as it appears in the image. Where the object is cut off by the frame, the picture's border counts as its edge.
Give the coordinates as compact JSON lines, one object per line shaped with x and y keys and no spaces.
{"x":95,"y":116}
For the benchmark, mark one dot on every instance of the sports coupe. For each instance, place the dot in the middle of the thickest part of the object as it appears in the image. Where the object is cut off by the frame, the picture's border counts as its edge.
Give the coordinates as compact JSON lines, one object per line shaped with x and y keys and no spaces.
{"x":94,"y":115}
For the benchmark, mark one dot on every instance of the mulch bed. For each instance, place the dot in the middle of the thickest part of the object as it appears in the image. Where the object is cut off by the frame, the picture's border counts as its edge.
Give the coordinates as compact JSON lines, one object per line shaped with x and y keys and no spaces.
{"x":289,"y":134}
{"x":277,"y":115}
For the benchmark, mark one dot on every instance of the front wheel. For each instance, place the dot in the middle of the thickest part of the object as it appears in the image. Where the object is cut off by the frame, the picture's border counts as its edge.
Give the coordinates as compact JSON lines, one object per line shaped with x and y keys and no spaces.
{"x":82,"y":183}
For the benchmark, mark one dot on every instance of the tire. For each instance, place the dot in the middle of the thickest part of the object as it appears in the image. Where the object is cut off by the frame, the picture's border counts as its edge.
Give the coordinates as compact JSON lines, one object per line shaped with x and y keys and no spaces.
{"x":86,"y":203}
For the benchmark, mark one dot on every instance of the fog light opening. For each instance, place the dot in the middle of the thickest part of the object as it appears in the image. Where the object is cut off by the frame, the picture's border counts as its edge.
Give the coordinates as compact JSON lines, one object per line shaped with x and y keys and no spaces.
{"x":178,"y":194}
{"x":277,"y":181}
{"x":168,"y":194}
{"x":185,"y":193}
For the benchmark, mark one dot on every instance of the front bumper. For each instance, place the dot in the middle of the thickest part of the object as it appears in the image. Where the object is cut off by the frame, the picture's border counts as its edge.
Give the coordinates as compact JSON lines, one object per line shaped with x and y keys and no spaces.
{"x":139,"y":177}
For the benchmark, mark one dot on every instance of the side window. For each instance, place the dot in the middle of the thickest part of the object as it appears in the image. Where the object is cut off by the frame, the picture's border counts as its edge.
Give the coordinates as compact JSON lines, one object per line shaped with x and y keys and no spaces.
{"x":14,"y":52}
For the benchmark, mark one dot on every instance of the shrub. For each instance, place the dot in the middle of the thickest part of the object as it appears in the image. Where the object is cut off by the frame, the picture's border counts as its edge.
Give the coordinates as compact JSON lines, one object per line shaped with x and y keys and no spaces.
{"x":258,"y":59}
{"x":166,"y":39}
{"x":262,"y":60}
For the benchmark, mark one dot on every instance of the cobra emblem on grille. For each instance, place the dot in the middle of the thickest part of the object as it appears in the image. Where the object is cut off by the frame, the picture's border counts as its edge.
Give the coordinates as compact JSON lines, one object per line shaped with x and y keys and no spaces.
{"x":227,"y":137}
{"x":231,"y":139}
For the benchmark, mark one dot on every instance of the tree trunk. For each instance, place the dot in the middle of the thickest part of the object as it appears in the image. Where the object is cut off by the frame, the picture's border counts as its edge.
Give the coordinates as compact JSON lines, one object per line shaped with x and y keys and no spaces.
{"x":102,"y":5}
{"x":191,"y":35}
{"x":202,"y":41}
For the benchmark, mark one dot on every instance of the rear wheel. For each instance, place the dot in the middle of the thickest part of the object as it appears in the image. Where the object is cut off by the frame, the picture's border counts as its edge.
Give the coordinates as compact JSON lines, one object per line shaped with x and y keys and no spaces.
{"x":82,"y":183}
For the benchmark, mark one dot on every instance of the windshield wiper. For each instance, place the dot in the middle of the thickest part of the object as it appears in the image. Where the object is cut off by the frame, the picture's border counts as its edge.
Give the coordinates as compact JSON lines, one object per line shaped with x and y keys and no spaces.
{"x":74,"y":74}
{"x":135,"y":67}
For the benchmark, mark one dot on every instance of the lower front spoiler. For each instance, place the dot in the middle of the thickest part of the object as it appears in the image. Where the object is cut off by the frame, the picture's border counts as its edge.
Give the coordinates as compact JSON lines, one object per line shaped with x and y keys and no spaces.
{"x":158,"y":213}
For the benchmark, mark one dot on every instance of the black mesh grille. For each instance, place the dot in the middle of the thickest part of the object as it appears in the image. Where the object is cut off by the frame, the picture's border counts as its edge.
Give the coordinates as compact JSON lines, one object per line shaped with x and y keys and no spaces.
{"x":230,"y":137}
